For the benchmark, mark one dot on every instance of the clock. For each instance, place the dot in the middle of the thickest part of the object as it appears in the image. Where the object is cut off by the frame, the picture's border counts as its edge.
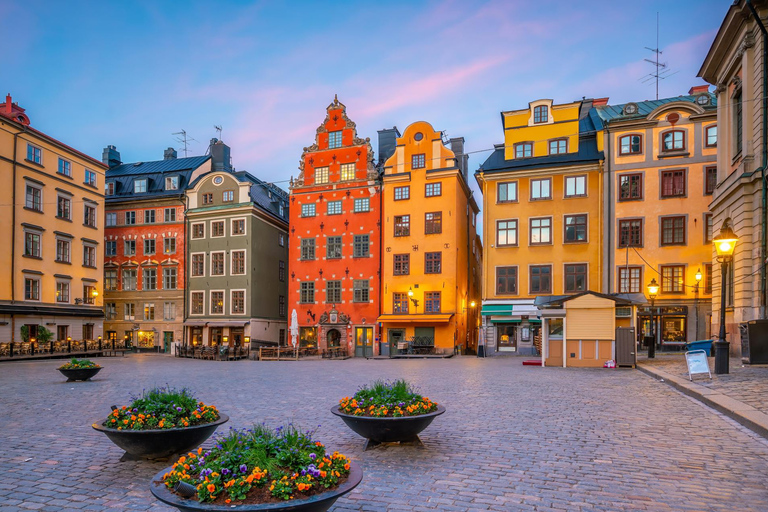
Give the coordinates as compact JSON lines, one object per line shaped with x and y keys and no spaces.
{"x":702,"y":99}
{"x":630,"y":109}
{"x":218,"y":180}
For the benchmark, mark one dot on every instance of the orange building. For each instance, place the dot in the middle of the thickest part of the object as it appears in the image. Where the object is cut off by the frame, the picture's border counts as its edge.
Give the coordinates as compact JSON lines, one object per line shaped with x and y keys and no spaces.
{"x":334,"y":251}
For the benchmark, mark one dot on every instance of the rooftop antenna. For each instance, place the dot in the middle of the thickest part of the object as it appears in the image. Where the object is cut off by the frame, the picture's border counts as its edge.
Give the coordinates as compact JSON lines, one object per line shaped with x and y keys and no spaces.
{"x":662,"y":71}
{"x":184,"y":139}
{"x":217,"y":127}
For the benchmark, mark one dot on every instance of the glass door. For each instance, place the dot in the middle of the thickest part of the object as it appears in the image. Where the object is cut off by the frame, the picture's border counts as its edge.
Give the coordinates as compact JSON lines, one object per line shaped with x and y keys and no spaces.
{"x":363,"y":341}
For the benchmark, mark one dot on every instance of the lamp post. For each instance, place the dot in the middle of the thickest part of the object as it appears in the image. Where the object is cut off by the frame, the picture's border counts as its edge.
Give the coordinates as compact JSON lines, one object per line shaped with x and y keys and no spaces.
{"x":725,"y":243}
{"x":653,"y":291}
{"x":696,"y":302}
{"x":415,"y":301}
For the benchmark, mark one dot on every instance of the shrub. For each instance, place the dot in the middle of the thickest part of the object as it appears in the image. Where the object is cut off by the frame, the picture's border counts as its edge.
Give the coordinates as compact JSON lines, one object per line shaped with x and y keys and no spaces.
{"x":382,"y":399}
{"x":161,"y":408}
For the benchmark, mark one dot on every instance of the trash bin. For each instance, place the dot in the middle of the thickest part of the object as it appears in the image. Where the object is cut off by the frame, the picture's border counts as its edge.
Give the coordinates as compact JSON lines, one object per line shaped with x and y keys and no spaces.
{"x":754,"y":342}
{"x":705,"y":345}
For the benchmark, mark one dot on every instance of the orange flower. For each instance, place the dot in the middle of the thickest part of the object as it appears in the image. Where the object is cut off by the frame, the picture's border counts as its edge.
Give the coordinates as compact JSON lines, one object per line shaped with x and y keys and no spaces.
{"x":227,"y":500}
{"x":211,"y":488}
{"x":346,"y":466}
{"x":322,"y":474}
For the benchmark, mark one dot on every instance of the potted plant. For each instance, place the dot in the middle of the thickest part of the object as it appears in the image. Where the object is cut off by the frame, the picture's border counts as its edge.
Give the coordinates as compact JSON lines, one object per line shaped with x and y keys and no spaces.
{"x":79,"y":369}
{"x":385,"y":412}
{"x":258,"y":469}
{"x":161,"y":422}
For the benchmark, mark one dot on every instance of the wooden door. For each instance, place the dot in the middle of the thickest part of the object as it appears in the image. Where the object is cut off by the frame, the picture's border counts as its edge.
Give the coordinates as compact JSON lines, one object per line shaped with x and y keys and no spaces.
{"x":625,"y":346}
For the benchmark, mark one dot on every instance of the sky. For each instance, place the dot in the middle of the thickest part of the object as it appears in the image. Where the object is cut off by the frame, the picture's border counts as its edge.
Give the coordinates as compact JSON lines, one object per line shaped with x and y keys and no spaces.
{"x":133,"y":73}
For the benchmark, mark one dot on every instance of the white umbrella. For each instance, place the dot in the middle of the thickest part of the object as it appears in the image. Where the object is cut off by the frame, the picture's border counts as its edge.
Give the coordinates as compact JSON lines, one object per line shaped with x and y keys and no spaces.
{"x":294,"y":327}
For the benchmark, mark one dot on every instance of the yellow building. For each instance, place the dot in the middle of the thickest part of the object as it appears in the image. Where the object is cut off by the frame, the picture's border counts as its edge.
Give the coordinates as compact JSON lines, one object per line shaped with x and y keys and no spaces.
{"x":52,"y":207}
{"x":542,"y":221}
{"x":430,"y":268}
{"x":661,"y":172}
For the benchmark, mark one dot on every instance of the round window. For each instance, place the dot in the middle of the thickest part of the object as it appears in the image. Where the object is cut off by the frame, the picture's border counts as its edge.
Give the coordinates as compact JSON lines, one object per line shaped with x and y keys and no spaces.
{"x":418,"y":136}
{"x":218,"y":180}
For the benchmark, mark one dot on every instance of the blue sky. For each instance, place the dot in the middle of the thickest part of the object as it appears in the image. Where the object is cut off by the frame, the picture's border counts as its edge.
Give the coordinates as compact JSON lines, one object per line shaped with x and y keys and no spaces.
{"x":132,"y":73}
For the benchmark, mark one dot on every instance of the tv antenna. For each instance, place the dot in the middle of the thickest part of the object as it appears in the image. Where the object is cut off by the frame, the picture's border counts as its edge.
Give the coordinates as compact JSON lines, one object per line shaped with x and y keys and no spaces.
{"x":662,"y":70}
{"x":184,"y":139}
{"x":217,"y":127}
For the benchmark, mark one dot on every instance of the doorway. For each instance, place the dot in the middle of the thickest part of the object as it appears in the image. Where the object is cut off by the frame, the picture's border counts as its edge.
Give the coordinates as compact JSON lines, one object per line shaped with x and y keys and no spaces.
{"x":394,"y":336}
{"x":167,"y":340}
{"x":333,"y":338}
{"x":363,"y":341}
{"x":507,"y":337}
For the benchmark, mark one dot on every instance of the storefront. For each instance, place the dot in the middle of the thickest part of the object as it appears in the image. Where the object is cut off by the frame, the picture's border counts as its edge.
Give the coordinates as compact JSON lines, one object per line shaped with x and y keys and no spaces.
{"x":671,"y":324}
{"x":511,"y":328}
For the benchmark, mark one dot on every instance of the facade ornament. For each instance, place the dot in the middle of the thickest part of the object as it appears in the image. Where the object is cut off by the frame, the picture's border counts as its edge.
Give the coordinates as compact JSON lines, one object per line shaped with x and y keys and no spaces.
{"x":324,"y":318}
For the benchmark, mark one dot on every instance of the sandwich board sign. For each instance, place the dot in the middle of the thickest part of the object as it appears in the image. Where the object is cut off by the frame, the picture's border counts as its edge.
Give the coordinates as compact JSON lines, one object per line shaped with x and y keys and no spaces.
{"x":697,"y":363}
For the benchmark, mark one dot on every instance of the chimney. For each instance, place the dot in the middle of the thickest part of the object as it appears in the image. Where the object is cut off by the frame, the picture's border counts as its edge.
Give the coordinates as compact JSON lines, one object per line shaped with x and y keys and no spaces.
{"x":462,"y":160}
{"x":169,"y":154}
{"x":220,"y":157}
{"x":698,"y":89}
{"x":8,"y":108}
{"x":387,"y":143}
{"x":111,"y":156}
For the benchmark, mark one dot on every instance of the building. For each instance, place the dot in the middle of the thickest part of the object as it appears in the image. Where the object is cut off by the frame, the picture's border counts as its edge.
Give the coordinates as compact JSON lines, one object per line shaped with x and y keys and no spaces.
{"x":430,"y":248}
{"x":660,"y":175}
{"x":735,"y":65}
{"x":52,"y":231}
{"x":237,"y":253}
{"x":145,"y":247}
{"x":335,"y":250}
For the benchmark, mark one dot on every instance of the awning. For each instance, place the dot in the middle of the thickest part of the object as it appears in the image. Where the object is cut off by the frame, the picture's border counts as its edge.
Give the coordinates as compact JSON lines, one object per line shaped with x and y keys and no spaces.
{"x":496,"y":309}
{"x":232,"y":323}
{"x":421,"y":319}
{"x":534,"y":320}
{"x":505,"y":320}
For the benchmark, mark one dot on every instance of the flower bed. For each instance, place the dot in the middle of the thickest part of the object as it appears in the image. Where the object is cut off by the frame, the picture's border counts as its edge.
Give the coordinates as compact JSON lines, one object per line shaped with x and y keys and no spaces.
{"x":260,"y":465}
{"x":387,"y":400}
{"x":161,"y":408}
{"x":79,"y":364}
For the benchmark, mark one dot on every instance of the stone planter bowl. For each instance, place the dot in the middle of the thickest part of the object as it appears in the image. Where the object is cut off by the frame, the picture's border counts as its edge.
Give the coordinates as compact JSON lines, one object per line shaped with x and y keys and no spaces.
{"x":79,"y":373}
{"x":388,"y":430}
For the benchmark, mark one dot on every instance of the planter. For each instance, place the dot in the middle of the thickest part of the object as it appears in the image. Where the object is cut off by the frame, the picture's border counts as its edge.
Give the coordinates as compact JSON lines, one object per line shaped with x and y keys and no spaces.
{"x":389,"y":429}
{"x":79,"y":373}
{"x":316,"y":503}
{"x":161,"y":443}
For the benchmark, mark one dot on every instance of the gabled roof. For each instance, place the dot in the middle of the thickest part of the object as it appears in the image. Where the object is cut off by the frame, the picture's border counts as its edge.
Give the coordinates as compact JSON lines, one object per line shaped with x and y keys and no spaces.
{"x":155,"y":173}
{"x":621,"y":299}
{"x":610,"y":113}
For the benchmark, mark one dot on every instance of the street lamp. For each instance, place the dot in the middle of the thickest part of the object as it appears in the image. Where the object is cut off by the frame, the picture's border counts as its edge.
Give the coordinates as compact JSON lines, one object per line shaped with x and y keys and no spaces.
{"x":653,"y":291}
{"x":415,"y":301}
{"x":725,"y":243}
{"x":698,"y":277}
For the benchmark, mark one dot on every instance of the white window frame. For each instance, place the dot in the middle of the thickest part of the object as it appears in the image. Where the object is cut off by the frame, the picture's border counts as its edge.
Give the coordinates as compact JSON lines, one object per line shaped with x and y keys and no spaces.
{"x":166,"y":317}
{"x":66,"y":198}
{"x":39,"y":188}
{"x":67,"y":241}
{"x":223,"y":260}
{"x":136,"y":181}
{"x":39,"y":290}
{"x":223,"y":299}
{"x":132,"y":316}
{"x":30,"y":231}
{"x":61,"y":282}
{"x":170,"y":179}
{"x":109,"y":215}
{"x":224,"y":228}
{"x":191,"y":266}
{"x":232,"y":302}
{"x":38,"y":153}
{"x":191,"y":299}
{"x":165,"y":240}
{"x":91,"y":183}
{"x":87,"y":246}
{"x":232,"y":260}
{"x":192,"y":231}
{"x":166,"y":211}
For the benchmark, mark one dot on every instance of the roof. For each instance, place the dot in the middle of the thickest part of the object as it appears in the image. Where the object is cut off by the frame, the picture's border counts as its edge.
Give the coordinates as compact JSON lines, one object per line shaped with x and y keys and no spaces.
{"x":587,"y":153}
{"x":158,"y":166}
{"x":623,"y":299}
{"x":155,"y":172}
{"x":611,"y":113}
{"x":267,"y":196}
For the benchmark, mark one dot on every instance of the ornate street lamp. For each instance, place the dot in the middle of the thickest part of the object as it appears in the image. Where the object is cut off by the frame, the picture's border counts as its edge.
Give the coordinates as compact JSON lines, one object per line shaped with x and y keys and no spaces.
{"x":698,"y":278}
{"x":415,"y":301}
{"x":725,"y":243}
{"x":653,"y":291}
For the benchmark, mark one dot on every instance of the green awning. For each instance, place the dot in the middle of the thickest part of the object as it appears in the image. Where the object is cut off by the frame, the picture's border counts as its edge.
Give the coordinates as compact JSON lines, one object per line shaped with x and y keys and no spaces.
{"x":506,"y":321}
{"x":497,"y":309}
{"x":534,"y":320}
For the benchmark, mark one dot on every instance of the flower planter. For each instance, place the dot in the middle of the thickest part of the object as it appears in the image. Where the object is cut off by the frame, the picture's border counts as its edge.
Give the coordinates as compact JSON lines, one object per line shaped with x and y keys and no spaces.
{"x":79,"y":373}
{"x":160,"y":443}
{"x":388,"y":429}
{"x":316,"y":503}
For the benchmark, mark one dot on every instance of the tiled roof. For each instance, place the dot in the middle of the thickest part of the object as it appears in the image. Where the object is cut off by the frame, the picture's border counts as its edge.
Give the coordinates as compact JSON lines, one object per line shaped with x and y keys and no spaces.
{"x":610,"y":113}
{"x":123,"y":177}
{"x":158,"y":166}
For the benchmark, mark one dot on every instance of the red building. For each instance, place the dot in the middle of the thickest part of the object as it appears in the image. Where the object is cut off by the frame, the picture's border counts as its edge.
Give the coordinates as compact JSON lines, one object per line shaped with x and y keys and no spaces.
{"x":335,"y":253}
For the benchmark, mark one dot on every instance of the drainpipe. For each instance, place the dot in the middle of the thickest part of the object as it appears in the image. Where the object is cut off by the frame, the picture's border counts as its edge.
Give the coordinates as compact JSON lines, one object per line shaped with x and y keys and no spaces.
{"x":380,"y":181}
{"x":764,"y":94}
{"x":608,"y":229}
{"x":13,"y":237}
{"x":183,"y":201}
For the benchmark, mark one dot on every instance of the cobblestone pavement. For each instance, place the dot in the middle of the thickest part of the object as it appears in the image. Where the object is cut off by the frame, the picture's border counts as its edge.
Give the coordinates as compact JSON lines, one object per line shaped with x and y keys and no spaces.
{"x":745,"y":383}
{"x":513,"y":438}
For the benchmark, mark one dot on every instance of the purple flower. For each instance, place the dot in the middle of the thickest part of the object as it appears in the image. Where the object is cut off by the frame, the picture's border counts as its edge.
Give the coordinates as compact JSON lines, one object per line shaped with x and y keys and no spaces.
{"x":243,"y":468}
{"x":312,"y":456}
{"x":225,"y":471}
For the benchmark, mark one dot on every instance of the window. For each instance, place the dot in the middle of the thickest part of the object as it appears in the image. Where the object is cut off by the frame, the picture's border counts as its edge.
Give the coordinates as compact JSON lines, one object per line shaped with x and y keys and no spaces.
{"x":130,"y":218}
{"x":129,"y":311}
{"x":34,"y":198}
{"x":399,"y":302}
{"x":540,"y":114}
{"x":433,"y":223}
{"x":281,"y":271}
{"x":362,"y":205}
{"x":433,"y":189}
{"x":149,"y":216}
{"x":418,"y":161}
{"x":109,"y":188}
{"x":433,"y":262}
{"x":169,"y":246}
{"x":673,"y":140}
{"x":738,"y":123}
{"x":506,"y":192}
{"x":198,"y":230}
{"x":541,"y":189}
{"x":238,"y":226}
{"x":90,"y":178}
{"x":89,"y":216}
{"x":575,"y":278}
{"x":334,"y":139}
{"x":431,"y":302}
{"x":541,"y":230}
{"x":672,"y":279}
{"x":65,"y":167}
{"x":62,"y":292}
{"x":169,"y":278}
{"x":281,"y":239}
{"x":63,"y":250}
{"x":198,"y":303}
{"x":307,"y":248}
{"x":217,"y":263}
{"x":208,"y":198}
{"x":321,"y":175}
{"x":631,"y":144}
{"x":333,"y":208}
{"x":333,"y":292}
{"x":238,"y":263}
{"x":361,"y":246}
{"x":360,"y":288}
{"x":575,"y":186}
{"x":673,"y":230}
{"x":149,"y":279}
{"x":149,"y":311}
{"x":631,"y":233}
{"x":32,"y":246}
{"x":672,"y":183}
{"x":238,"y":302}
{"x":629,"y":279}
{"x":129,"y":248}
{"x":111,"y":219}
{"x":217,"y":303}
{"x":707,"y":278}
{"x":228,"y":196}
{"x":402,"y":193}
{"x":149,"y":246}
{"x":31,"y":289}
{"x":710,"y":180}
{"x":129,"y":280}
{"x":169,"y":311}
{"x":708,"y":228}
{"x":89,"y":256}
{"x":347,"y":172}
{"x":332,"y":247}
{"x":64,"y":208}
{"x":110,"y":310}
{"x":575,"y":228}
{"x":110,"y":279}
{"x":307,"y":292}
{"x":558,"y":147}
{"x":506,"y":232}
{"x":139,"y":186}
{"x":402,"y":264}
{"x":34,"y":154}
{"x":541,"y":278}
{"x":170,"y":215}
{"x":630,"y":187}
{"x":506,"y":280}
{"x":171,"y":183}
{"x":711,"y":136}
{"x":282,"y":310}
{"x":217,"y":228}
{"x":524,"y":150}
{"x":402,"y":225}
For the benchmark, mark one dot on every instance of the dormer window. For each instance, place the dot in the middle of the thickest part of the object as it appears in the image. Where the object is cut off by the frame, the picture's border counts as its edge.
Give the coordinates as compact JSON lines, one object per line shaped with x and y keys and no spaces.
{"x":524,"y":150}
{"x":109,"y":189}
{"x":171,"y":183}
{"x":334,"y":139}
{"x":558,"y":146}
{"x":540,"y":114}
{"x":140,"y":186}
{"x":673,"y":140}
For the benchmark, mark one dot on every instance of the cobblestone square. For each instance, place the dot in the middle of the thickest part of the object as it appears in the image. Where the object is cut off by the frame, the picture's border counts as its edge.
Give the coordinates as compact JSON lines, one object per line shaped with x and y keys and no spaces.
{"x":513,"y":437}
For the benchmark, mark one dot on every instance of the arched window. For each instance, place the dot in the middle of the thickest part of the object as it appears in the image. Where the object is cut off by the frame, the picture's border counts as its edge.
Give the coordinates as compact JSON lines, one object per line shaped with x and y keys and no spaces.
{"x":631,"y":144}
{"x":673,"y":140}
{"x":710,"y":138}
{"x":540,"y":114}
